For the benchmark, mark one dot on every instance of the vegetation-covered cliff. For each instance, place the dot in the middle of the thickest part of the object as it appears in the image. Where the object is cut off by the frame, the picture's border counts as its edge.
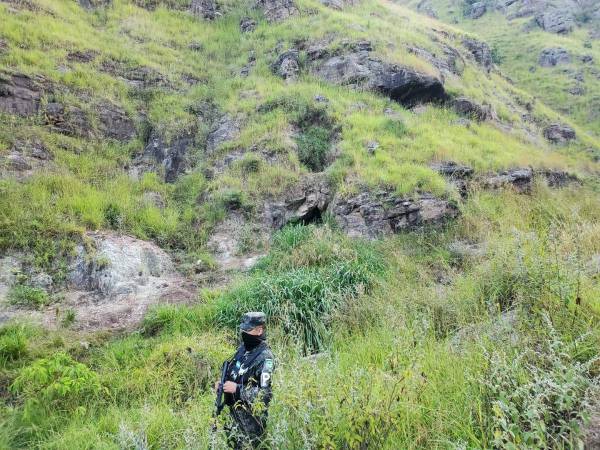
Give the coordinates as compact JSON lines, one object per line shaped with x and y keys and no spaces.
{"x":413,"y":202}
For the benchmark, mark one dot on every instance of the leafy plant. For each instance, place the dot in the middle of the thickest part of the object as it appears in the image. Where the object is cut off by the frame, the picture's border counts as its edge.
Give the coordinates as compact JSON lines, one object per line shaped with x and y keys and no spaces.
{"x":537,"y":397}
{"x":24,"y":295}
{"x":55,"y":383}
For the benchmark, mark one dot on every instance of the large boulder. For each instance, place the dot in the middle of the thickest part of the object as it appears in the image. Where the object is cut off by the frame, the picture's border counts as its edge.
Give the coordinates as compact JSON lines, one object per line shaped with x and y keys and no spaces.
{"x":304,"y":203}
{"x":476,"y":10}
{"x":359,"y":70}
{"x":115,"y":278}
{"x":559,"y":133}
{"x":167,"y":156}
{"x":277,"y":10}
{"x":373,"y":214}
{"x":480,"y":51}
{"x":469,"y":108}
{"x":550,"y":57}
{"x":556,"y":20}
{"x":21,"y":94}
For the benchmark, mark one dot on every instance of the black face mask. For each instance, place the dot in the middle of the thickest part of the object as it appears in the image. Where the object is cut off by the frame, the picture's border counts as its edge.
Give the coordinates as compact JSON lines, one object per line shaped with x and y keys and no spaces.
{"x":251,"y":341}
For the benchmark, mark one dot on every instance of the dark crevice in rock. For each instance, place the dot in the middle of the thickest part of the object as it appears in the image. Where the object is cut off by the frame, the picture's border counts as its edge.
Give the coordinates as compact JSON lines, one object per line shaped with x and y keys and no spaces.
{"x":304,"y":203}
{"x":361,"y":71}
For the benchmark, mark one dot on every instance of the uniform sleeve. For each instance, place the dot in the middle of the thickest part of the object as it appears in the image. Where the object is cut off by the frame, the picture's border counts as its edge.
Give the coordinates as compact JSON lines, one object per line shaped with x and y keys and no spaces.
{"x":260,"y":388}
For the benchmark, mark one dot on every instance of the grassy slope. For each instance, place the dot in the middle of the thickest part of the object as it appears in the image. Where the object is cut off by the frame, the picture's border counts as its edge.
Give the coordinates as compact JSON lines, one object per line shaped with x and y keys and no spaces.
{"x":407,"y":315}
{"x":519,"y":56}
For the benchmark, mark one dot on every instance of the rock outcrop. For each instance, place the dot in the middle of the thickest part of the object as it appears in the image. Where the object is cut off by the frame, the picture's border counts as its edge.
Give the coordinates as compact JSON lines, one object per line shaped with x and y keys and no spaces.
{"x":469,"y":108}
{"x":24,"y":159}
{"x":287,"y":65}
{"x":521,"y":180}
{"x":480,"y":51}
{"x":458,"y":175}
{"x":118,"y":277}
{"x":247,"y":24}
{"x":360,"y":70}
{"x":113,"y":123}
{"x":558,"y":178}
{"x":69,"y":120}
{"x":20,"y":94}
{"x":337,"y":4}
{"x":558,"y":133}
{"x":203,"y":9}
{"x":226,"y":245}
{"x":225,"y":129}
{"x":450,"y":63}
{"x":140,"y":77}
{"x":112,"y":280}
{"x":550,"y":57}
{"x":169,"y":157}
{"x":304,"y":203}
{"x":94,"y":4}
{"x":277,"y":10}
{"x":555,"y":20}
{"x":476,"y":10}
{"x":373,"y":214}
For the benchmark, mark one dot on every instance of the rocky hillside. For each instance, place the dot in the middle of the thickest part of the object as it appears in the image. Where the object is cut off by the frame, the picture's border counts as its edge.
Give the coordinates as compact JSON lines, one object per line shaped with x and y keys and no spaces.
{"x":413,"y":202}
{"x":550,"y":48}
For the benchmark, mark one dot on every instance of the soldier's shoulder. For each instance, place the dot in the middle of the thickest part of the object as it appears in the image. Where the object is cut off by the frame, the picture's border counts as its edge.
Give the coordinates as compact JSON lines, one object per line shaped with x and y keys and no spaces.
{"x":266,"y":354}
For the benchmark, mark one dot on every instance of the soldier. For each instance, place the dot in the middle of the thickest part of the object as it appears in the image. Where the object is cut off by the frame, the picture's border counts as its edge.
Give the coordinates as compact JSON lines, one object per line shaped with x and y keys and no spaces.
{"x":248,"y":384}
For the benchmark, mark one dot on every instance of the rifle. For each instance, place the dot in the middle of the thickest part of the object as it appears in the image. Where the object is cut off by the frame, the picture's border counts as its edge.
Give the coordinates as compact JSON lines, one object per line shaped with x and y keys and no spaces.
{"x":219,"y":403}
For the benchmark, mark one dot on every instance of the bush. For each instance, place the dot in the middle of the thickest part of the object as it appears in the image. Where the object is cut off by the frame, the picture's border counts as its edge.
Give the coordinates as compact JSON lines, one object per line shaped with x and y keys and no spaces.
{"x":536,"y":399}
{"x":180,"y":369}
{"x":55,"y":383}
{"x":23,"y":295}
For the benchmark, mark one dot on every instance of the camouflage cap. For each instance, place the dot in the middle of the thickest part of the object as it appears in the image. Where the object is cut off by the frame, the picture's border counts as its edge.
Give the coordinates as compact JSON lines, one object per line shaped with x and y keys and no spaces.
{"x":251,"y":320}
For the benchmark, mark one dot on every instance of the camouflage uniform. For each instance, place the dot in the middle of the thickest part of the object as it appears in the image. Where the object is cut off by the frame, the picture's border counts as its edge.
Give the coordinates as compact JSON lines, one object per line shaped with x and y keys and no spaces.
{"x":251,"y":369}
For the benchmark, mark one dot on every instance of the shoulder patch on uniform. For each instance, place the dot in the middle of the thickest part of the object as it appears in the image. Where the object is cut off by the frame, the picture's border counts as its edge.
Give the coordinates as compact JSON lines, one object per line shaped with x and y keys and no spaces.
{"x":268,"y":367}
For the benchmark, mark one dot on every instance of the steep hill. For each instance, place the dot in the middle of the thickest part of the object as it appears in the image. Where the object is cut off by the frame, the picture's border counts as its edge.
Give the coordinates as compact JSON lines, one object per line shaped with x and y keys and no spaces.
{"x":415,"y":210}
{"x":550,"y":48}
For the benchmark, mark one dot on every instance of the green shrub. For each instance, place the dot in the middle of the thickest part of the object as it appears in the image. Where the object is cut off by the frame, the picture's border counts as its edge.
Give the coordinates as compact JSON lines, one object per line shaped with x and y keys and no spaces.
{"x":537,"y":397}
{"x":313,"y":147}
{"x":28,"y":296}
{"x":56,"y":383}
{"x":13,"y":343}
